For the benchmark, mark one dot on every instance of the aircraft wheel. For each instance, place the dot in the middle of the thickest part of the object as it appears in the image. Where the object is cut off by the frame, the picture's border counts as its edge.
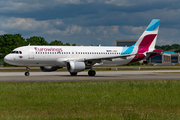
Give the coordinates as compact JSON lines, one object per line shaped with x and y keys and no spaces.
{"x":91,"y":73}
{"x":27,"y":73}
{"x":73,"y":73}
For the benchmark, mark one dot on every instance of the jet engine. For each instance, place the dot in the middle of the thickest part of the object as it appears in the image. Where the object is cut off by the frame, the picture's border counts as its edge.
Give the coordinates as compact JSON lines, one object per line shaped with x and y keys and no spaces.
{"x":49,"y":68}
{"x":73,"y":66}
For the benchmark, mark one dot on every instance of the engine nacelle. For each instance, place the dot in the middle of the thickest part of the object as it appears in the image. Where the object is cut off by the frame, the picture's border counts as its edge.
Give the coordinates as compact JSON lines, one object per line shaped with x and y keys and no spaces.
{"x":75,"y":66}
{"x":49,"y":68}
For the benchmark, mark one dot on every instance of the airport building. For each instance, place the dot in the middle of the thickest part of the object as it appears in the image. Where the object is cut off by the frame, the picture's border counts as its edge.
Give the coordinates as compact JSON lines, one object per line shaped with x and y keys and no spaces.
{"x":125,"y":42}
{"x":175,"y":58}
{"x":164,"y":58}
{"x":167,"y":57}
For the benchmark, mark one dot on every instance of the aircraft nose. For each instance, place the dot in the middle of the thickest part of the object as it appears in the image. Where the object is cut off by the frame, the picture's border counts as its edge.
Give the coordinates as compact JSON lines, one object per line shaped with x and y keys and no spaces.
{"x":7,"y":58}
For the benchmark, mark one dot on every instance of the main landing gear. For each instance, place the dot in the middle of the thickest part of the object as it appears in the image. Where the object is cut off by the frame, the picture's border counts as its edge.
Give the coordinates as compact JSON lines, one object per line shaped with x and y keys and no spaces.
{"x":73,"y":73}
{"x":90,"y":73}
{"x":27,"y":73}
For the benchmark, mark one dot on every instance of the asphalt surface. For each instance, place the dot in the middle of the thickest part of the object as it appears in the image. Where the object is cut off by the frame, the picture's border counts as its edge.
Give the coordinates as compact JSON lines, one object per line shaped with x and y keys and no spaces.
{"x":82,"y":76}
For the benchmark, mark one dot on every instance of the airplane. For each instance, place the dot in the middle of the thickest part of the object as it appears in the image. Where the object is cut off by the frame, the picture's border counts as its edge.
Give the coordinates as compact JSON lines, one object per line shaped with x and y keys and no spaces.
{"x":79,"y":58}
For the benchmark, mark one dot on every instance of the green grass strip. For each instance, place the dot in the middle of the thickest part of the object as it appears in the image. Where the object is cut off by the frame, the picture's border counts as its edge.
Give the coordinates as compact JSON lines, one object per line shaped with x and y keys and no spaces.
{"x":124,"y":100}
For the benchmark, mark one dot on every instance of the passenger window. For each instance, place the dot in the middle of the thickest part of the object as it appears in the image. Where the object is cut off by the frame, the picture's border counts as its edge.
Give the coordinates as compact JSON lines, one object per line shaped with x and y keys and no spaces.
{"x":20,"y":52}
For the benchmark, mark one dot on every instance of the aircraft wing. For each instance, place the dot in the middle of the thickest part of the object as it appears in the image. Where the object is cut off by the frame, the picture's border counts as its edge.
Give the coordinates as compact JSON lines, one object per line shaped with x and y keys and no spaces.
{"x":95,"y":60}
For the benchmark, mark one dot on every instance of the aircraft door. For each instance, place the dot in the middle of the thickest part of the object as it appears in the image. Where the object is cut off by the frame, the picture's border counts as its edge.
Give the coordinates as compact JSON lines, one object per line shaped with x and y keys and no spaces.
{"x":31,"y":53}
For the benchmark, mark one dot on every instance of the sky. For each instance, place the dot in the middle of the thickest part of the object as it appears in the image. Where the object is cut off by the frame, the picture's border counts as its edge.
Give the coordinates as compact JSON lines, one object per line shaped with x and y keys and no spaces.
{"x":90,"y":22}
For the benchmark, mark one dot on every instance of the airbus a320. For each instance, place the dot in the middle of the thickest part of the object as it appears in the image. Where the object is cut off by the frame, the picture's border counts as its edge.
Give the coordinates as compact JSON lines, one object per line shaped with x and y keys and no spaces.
{"x":79,"y":58}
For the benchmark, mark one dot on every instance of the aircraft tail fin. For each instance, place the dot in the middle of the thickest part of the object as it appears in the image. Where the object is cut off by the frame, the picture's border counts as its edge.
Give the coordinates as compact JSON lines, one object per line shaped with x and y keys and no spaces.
{"x":147,"y":40}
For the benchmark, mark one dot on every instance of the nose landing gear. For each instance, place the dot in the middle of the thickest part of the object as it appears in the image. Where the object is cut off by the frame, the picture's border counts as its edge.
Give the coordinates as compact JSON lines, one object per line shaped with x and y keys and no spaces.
{"x":27,"y":73}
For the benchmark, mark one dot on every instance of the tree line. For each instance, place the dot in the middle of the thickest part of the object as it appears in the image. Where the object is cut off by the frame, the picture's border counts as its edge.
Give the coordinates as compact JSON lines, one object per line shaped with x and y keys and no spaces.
{"x":173,"y":47}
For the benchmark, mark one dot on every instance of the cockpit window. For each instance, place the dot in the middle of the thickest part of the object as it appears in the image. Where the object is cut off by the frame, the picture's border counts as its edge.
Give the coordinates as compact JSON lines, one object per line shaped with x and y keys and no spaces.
{"x":13,"y":52}
{"x":16,"y":52}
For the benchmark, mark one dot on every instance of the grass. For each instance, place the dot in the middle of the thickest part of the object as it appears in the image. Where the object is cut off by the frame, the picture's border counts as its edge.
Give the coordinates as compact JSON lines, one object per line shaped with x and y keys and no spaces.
{"x":125,"y":100}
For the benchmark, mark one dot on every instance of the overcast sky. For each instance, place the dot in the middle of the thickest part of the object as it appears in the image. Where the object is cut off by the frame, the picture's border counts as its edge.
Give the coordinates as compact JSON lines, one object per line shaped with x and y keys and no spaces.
{"x":87,"y":22}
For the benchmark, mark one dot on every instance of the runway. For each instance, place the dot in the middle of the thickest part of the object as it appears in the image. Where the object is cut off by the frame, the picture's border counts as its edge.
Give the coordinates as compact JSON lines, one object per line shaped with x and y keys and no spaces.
{"x":82,"y":76}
